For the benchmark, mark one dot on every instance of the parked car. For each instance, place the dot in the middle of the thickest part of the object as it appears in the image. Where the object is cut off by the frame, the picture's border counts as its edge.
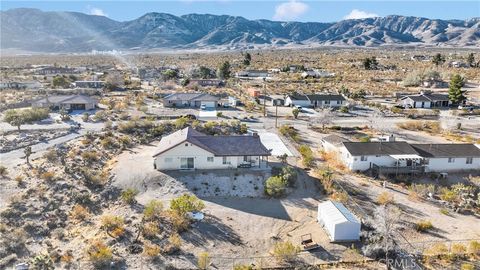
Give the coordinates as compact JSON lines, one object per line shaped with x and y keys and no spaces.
{"x":203,"y":107}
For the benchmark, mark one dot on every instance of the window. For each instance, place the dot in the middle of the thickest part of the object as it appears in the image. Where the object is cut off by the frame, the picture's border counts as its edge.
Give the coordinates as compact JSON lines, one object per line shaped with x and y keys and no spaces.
{"x":363,"y":158}
{"x":186,"y":144}
{"x":451,"y":160}
{"x":469,"y":160}
{"x":187,"y":163}
{"x":339,"y":102}
{"x":209,"y":159}
{"x":167,"y":159}
{"x":225,"y":160}
{"x":327,"y":102}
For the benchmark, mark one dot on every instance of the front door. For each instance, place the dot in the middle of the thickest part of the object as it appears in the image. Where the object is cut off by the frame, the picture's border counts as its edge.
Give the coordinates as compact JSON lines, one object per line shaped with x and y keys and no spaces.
{"x":409,"y":162}
{"x":187,"y":163}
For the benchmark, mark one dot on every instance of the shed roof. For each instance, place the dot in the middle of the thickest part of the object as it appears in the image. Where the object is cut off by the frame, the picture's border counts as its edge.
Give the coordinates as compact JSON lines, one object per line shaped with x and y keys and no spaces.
{"x":337,"y":212}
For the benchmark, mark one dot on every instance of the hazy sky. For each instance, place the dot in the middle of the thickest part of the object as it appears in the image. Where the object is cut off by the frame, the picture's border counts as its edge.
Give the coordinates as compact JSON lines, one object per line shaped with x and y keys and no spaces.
{"x":315,"y":11}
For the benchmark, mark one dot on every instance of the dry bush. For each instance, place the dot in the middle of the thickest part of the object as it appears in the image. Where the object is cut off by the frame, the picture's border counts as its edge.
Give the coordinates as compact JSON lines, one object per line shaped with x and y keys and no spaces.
{"x":385,"y":198}
{"x":339,"y":196}
{"x":203,"y":260}
{"x":79,"y":212}
{"x":179,"y":222}
{"x":114,"y":225}
{"x":48,"y":176}
{"x":89,"y":156}
{"x":173,"y":245}
{"x":150,"y":229}
{"x":437,"y":250}
{"x":333,"y":160}
{"x":419,"y":191}
{"x":99,"y":253}
{"x":423,"y":225}
{"x":3,"y":171}
{"x":432,"y":127}
{"x":458,"y":250}
{"x":448,"y":195}
{"x":467,"y":266}
{"x":51,"y":155}
{"x":153,"y":210}
{"x":151,"y":251}
{"x":128,"y":195}
{"x":474,"y":249}
{"x":285,"y":251}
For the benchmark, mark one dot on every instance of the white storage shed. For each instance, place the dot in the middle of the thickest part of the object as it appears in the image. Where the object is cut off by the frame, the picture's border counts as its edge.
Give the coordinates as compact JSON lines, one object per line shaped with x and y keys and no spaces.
{"x":340,"y":224}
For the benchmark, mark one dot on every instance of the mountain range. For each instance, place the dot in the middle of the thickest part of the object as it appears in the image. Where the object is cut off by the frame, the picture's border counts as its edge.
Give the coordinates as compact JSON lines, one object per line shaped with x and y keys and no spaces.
{"x":38,"y":31}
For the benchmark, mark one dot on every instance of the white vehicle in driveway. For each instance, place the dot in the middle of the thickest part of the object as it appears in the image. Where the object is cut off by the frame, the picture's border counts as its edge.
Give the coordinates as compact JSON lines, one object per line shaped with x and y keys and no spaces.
{"x":203,"y":107}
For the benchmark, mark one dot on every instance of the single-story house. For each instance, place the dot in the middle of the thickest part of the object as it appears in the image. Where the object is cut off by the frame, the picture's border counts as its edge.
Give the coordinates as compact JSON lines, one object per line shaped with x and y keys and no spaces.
{"x":20,"y":85}
{"x":190,"y":100}
{"x":190,"y":149}
{"x":449,"y":157}
{"x":425,"y":100}
{"x":55,"y":70}
{"x":361,"y":156}
{"x":67,"y":102}
{"x":340,"y":224}
{"x":326,"y":100}
{"x":315,"y":100}
{"x":206,"y":82}
{"x":89,"y":84}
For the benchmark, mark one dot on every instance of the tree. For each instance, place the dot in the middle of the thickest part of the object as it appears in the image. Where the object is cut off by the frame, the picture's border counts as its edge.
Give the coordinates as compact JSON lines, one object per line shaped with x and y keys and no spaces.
{"x":275,"y":186}
{"x":471,"y":60}
{"x":324,"y":117}
{"x":438,"y":59}
{"x":28,"y":152}
{"x":60,"y":81}
{"x":247,"y":59}
{"x":370,"y":63}
{"x":205,"y":72}
{"x":295,"y":112}
{"x":186,"y":203}
{"x":455,"y":92}
{"x":185,"y":82}
{"x":14,"y":118}
{"x":169,"y":74}
{"x":224,"y":70}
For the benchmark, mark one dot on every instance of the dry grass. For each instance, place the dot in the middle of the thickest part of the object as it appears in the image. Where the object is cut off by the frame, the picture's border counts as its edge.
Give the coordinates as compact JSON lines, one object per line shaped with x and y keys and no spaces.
{"x":432,"y":127}
{"x":423,"y":226}
{"x":385,"y":198}
{"x":333,"y":160}
{"x":79,"y":213}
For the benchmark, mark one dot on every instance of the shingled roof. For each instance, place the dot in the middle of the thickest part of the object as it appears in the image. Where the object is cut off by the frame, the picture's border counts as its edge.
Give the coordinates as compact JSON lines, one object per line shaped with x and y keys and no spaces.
{"x":236,"y":145}
{"x":191,"y":97}
{"x":447,"y":150}
{"x":66,"y":99}
{"x":379,"y":148}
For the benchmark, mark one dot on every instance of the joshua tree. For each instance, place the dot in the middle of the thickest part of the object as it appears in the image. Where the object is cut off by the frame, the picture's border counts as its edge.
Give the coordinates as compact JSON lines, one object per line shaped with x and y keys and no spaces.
{"x":27,"y":151}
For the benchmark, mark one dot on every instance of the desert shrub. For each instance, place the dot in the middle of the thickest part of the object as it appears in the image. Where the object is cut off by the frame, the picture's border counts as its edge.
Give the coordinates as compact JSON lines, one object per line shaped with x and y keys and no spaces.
{"x":128,"y":195}
{"x":344,"y":109}
{"x":474,"y":248}
{"x":79,"y":212}
{"x":99,"y":253}
{"x":186,"y":203}
{"x":339,"y":196}
{"x":3,"y":171}
{"x":285,"y":251}
{"x":289,"y":174}
{"x":203,"y":260}
{"x":467,"y":266}
{"x":151,"y":250}
{"x":423,"y":225}
{"x":436,"y":250}
{"x":114,"y":225}
{"x":150,"y":229}
{"x":307,"y":155}
{"x":89,"y":156}
{"x":275,"y":186}
{"x":289,"y":132}
{"x":364,"y":139}
{"x":326,"y":179}
{"x":449,"y":195}
{"x":153,"y":210}
{"x":173,"y":245}
{"x":43,"y":262}
{"x":417,"y":191}
{"x":51,"y":155}
{"x":93,"y":178}
{"x":48,"y":176}
{"x":458,"y":250}
{"x":100,"y":116}
{"x":432,"y":127}
{"x":125,"y":141}
{"x":385,"y":198}
{"x":444,"y":211}
{"x":107,"y":143}
{"x":179,"y":222}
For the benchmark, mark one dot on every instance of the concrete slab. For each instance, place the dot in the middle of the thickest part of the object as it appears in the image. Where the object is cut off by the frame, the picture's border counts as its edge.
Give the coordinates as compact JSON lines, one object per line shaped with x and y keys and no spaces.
{"x":208,"y":114}
{"x":272,"y":141}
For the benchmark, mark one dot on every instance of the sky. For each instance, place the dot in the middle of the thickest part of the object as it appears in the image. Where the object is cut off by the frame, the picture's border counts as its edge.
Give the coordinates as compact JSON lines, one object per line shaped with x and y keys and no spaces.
{"x":286,"y":10}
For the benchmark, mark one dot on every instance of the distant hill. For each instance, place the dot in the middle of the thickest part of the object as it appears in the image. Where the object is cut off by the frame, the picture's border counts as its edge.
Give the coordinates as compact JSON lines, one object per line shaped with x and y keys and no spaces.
{"x":38,"y":31}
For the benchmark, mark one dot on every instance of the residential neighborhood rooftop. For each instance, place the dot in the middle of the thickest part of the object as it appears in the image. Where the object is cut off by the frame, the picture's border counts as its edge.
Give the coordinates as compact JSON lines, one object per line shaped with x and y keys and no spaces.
{"x":447,"y":150}
{"x":379,"y":148}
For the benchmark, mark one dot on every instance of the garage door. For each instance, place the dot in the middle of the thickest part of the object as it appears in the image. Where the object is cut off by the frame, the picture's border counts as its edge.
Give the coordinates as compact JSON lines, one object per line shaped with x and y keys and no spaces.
{"x":209,"y":104}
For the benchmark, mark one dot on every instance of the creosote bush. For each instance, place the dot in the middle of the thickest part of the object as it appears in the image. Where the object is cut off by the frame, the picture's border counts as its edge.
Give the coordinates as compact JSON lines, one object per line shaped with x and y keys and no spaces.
{"x":151,"y":251}
{"x":423,"y":225}
{"x":150,"y":229}
{"x":113,"y":225}
{"x":79,"y":212}
{"x":153,"y":210}
{"x":186,"y":203}
{"x":285,"y":251}
{"x":128,"y":195}
{"x":99,"y":253}
{"x":203,"y":260}
{"x":385,"y":198}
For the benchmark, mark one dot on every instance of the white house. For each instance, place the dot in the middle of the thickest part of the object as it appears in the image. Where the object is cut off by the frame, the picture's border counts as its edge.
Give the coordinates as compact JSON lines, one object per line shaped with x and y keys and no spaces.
{"x":190,"y":100}
{"x":315,"y":73}
{"x":341,"y":225}
{"x":449,"y":157}
{"x":189,"y":149}
{"x":425,"y":100}
{"x":67,"y":102}
{"x":315,"y":100}
{"x":333,"y":143}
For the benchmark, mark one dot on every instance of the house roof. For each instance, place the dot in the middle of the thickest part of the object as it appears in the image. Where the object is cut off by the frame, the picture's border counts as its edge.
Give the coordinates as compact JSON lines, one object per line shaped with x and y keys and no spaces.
{"x":447,"y":150}
{"x":217,"y":145}
{"x":325,"y":97}
{"x":298,"y":97}
{"x":335,"y":139}
{"x":427,"y":97}
{"x":379,"y":148}
{"x":66,"y":99}
{"x":191,"y":97}
{"x":337,"y":212}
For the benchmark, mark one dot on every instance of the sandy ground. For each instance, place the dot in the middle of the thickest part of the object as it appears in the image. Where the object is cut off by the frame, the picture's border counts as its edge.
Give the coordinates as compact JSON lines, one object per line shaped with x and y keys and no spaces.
{"x":241,"y":225}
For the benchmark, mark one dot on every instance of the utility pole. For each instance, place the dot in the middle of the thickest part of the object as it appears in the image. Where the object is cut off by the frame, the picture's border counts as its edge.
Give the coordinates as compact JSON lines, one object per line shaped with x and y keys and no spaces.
{"x":276,"y":114}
